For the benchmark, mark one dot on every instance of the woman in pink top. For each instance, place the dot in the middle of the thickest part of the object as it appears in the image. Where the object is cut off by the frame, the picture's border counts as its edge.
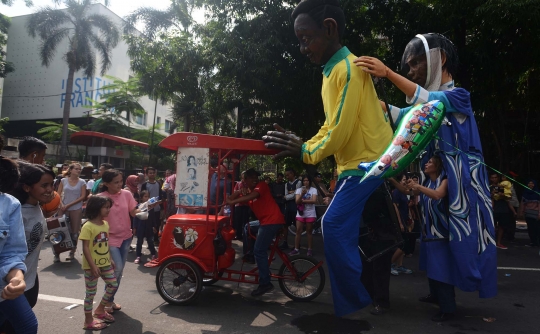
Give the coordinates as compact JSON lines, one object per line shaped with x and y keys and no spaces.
{"x":120,"y":234}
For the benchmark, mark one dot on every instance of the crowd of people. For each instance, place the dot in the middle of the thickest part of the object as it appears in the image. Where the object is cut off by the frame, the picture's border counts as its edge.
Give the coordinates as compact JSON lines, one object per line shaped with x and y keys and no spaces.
{"x":461,"y":221}
{"x":30,"y":192}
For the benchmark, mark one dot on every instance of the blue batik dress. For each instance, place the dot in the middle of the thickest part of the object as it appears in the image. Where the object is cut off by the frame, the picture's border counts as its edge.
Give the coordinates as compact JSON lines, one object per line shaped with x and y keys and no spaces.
{"x":467,"y":259}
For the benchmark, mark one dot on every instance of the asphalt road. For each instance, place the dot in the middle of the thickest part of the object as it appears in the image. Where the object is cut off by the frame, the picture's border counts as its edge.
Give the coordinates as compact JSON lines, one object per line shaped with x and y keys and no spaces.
{"x":229,"y":308}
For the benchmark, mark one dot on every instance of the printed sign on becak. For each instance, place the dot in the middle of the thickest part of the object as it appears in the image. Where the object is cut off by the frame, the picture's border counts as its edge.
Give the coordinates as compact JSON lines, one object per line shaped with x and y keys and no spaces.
{"x":192,"y":176}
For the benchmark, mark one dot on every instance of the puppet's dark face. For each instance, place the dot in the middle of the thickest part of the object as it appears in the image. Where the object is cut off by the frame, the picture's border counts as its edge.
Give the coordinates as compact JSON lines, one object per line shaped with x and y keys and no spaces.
{"x":314,"y":43}
{"x":417,"y":69}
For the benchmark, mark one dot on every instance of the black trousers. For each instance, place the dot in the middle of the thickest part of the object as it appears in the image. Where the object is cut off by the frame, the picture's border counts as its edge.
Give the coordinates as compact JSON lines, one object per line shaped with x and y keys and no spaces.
{"x":241,"y":218}
{"x":533,"y":228}
{"x":445,"y":294}
{"x":376,"y":277}
{"x":290,"y":213}
{"x":154,"y":219}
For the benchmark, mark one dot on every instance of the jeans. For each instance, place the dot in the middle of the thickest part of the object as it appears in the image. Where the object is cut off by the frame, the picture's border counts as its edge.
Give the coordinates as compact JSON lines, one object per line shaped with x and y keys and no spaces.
{"x":249,"y":242}
{"x":119,"y":256}
{"x":20,"y":314}
{"x":260,"y":251}
{"x":31,"y":296}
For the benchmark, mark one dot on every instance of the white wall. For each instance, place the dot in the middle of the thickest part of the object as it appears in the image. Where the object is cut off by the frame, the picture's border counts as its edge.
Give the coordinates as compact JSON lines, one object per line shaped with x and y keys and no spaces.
{"x":32,"y":79}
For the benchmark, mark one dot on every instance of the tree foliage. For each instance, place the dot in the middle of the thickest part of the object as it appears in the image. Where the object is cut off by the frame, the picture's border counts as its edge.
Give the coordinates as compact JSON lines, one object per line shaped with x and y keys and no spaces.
{"x":52,"y":131}
{"x":245,"y":57}
{"x":122,"y":100}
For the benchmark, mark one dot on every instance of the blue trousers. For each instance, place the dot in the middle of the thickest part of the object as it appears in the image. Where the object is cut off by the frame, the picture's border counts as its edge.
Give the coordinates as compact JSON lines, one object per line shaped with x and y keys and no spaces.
{"x":340,"y":227}
{"x":264,"y":239}
{"x":20,"y":314}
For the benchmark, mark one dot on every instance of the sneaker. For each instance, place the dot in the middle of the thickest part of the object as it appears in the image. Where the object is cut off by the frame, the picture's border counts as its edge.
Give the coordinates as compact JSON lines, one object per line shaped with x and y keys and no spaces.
{"x":56,"y":259}
{"x":377,"y":310}
{"x":428,"y":299}
{"x":309,"y":252}
{"x":403,"y":270}
{"x":137,"y":260}
{"x":394,"y":272}
{"x":284,"y":245}
{"x":501,"y":246}
{"x":262,"y":289}
{"x":294,"y":252}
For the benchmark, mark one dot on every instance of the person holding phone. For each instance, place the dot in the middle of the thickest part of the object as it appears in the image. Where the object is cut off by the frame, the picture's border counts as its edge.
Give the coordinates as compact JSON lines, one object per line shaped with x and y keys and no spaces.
{"x":305,"y":198}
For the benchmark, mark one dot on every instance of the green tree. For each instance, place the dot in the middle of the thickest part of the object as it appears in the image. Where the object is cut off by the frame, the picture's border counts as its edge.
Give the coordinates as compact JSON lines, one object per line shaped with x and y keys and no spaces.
{"x":3,"y":122}
{"x":86,"y":33}
{"x":178,"y":16}
{"x":124,"y":98}
{"x":52,"y":131}
{"x":5,"y":66}
{"x":173,"y":68}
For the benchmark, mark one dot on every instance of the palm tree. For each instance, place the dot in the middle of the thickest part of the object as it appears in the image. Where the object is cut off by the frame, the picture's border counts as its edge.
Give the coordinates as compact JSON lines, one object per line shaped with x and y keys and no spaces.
{"x":177,"y":16}
{"x":85,"y":34}
{"x":125,"y":96}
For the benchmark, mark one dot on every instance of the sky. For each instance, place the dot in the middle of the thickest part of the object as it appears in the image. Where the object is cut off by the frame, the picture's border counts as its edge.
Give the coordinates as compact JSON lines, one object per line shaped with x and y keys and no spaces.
{"x":120,"y":7}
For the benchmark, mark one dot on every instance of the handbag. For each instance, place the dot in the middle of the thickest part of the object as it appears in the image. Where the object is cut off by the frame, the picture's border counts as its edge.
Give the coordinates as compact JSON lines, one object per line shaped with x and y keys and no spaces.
{"x":531,"y":213}
{"x":300,"y":208}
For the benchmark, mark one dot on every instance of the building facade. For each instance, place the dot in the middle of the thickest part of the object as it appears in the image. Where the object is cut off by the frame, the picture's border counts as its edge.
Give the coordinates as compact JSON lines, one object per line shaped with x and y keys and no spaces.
{"x":35,"y":92}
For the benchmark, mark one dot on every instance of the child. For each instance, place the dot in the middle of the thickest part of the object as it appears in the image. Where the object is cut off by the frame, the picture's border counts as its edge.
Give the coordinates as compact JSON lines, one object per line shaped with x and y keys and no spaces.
{"x":35,"y":186}
{"x":13,"y":305}
{"x":97,"y":262}
{"x":143,"y":229}
{"x":154,"y":190}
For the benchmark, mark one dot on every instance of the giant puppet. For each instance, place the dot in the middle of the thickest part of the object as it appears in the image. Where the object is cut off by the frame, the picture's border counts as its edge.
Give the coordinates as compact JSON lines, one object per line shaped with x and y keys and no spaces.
{"x":460,"y":251}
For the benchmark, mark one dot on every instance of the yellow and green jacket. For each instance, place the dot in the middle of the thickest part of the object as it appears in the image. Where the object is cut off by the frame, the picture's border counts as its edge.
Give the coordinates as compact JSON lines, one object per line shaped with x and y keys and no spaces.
{"x":356,"y":128}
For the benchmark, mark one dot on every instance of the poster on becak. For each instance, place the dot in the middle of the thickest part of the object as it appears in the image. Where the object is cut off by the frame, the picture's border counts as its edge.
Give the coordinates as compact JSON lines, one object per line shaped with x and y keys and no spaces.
{"x":192,"y":176}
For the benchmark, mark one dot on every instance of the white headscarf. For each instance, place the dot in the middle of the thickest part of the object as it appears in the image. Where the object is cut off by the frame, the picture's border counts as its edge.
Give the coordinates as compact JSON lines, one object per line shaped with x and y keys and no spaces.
{"x":434,"y":68}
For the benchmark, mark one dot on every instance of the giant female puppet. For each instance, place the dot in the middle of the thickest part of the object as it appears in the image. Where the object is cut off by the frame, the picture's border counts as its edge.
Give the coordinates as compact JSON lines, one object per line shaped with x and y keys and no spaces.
{"x":465,"y":254}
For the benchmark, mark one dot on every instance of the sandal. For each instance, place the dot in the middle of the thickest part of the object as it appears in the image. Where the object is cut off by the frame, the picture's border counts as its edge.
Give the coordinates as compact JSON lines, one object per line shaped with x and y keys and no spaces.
{"x":95,"y":325}
{"x":105,"y":317}
{"x":112,"y":308}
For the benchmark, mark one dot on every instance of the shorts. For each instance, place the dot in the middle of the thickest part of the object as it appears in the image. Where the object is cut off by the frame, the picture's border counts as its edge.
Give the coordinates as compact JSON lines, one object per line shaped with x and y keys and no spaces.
{"x":503,"y":220}
{"x":306,"y":220}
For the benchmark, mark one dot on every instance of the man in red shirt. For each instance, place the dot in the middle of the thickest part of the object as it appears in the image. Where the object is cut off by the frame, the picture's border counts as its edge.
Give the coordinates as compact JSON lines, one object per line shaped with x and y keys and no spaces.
{"x":259,"y":198}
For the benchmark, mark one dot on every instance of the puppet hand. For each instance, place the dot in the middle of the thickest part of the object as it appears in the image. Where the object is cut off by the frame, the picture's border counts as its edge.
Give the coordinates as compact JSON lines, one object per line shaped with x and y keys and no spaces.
{"x":287,"y":142}
{"x":372,"y":66}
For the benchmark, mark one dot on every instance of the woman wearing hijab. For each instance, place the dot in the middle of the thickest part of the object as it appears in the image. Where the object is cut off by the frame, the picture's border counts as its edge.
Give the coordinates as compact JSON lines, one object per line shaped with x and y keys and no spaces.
{"x":132,"y":182}
{"x":530,"y":208}
{"x":430,"y":61}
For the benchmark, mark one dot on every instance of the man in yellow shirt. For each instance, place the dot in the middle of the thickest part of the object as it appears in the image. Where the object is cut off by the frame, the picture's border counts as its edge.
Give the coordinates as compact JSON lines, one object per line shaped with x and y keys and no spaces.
{"x":355,"y":131}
